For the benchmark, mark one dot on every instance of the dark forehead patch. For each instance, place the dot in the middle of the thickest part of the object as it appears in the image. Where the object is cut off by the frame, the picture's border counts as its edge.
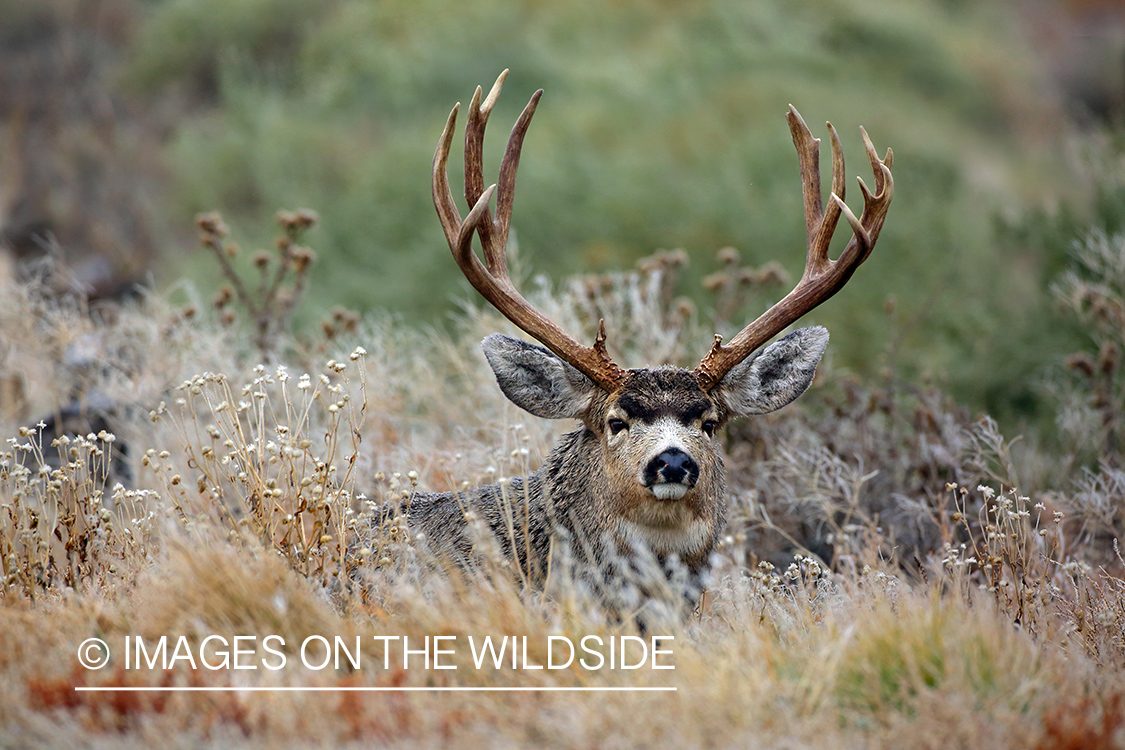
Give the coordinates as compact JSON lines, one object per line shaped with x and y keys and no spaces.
{"x":666,"y":391}
{"x":694,"y":411}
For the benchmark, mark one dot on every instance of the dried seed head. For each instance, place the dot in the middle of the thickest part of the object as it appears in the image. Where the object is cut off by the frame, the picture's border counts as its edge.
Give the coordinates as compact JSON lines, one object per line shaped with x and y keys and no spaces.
{"x":1108,"y":357}
{"x":728,"y":256}
{"x":715,"y":281}
{"x":212,"y":226}
{"x":302,"y":257}
{"x":1081,"y":362}
{"x":773,"y":273}
{"x":297,"y":221}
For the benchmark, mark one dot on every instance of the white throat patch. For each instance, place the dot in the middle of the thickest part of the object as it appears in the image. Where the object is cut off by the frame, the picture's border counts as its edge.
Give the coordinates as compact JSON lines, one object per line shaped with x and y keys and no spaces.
{"x":666,"y":540}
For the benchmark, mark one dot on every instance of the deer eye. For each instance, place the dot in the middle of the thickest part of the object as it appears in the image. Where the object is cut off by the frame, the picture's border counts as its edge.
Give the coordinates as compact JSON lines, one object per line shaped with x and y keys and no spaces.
{"x":709,"y":427}
{"x":617,"y":425}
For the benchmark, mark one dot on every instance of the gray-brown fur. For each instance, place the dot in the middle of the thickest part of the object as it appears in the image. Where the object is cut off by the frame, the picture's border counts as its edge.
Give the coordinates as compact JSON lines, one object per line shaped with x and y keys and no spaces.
{"x":599,"y":497}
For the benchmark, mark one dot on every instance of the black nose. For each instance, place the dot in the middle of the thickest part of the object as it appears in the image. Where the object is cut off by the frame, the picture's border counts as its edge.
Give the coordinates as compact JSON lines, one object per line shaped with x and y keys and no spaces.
{"x":672,"y":465}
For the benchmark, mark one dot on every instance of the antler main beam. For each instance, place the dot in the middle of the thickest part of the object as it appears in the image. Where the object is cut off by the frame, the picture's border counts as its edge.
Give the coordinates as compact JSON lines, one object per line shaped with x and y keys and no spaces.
{"x":823,"y":276}
{"x":491,"y":279}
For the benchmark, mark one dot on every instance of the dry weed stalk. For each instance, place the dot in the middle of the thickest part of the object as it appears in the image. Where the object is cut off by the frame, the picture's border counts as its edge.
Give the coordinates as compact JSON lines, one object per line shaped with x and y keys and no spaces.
{"x":271,"y":304}
{"x":275,"y":463}
{"x":58,"y":525}
{"x":1094,"y":291}
{"x":734,"y":286}
{"x":1011,"y":554}
{"x":1096,"y":613}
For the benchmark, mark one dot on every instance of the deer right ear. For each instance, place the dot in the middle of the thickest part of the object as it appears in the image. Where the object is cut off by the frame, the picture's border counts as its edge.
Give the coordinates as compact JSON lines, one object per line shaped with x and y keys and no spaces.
{"x":536,"y":380}
{"x":775,"y":375}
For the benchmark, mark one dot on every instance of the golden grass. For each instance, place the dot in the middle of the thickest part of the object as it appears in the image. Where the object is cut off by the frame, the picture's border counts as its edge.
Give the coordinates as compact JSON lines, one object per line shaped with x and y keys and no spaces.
{"x":864,"y":662}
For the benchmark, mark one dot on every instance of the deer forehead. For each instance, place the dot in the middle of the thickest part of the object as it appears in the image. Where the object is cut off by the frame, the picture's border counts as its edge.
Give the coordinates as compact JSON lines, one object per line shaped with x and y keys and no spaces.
{"x":662,"y":393}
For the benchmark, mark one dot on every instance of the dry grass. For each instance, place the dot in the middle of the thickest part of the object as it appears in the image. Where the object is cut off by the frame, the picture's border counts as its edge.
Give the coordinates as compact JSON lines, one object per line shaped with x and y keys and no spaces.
{"x":882,"y":585}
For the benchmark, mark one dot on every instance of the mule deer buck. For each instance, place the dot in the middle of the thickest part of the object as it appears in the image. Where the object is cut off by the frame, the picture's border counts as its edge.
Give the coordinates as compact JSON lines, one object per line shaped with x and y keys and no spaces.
{"x":643,"y":470}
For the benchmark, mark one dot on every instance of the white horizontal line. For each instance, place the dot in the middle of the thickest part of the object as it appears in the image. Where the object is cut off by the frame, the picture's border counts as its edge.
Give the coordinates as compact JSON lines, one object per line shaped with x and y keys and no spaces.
{"x":358,"y":689}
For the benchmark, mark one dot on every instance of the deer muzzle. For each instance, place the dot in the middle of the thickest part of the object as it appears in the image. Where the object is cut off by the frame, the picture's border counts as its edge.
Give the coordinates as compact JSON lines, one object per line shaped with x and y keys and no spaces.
{"x":670,"y":474}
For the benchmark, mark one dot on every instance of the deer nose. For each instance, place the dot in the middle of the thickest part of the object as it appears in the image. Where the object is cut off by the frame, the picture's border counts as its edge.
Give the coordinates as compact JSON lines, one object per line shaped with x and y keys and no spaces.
{"x":673,"y":465}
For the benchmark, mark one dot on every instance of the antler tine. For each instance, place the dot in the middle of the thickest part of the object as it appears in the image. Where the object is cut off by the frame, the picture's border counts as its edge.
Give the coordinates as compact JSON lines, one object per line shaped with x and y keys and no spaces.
{"x":474,"y":157}
{"x":823,"y":276}
{"x":808,"y":157}
{"x":819,"y":222}
{"x":875,"y":205}
{"x":491,"y":279}
{"x":443,"y":196}
{"x":506,"y":183}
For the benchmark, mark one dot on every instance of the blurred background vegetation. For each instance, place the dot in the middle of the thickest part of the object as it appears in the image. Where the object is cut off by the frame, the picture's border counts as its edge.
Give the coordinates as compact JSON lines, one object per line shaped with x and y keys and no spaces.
{"x":662,"y":126}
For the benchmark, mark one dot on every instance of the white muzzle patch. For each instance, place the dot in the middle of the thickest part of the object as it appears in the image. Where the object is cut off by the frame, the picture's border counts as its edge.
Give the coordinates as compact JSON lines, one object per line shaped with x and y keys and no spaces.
{"x":669,"y":490}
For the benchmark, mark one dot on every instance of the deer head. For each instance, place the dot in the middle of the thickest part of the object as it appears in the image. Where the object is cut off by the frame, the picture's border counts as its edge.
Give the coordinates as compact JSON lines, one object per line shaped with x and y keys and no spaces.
{"x":656,"y":427}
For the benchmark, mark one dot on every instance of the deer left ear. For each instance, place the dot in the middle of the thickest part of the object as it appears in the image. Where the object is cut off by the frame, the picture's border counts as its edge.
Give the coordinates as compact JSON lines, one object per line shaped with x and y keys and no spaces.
{"x":775,"y":375}
{"x":536,"y":380}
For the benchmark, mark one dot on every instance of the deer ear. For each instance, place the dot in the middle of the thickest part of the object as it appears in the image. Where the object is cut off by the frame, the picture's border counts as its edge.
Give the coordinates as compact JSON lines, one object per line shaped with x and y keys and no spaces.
{"x":775,"y":375}
{"x":536,"y":380}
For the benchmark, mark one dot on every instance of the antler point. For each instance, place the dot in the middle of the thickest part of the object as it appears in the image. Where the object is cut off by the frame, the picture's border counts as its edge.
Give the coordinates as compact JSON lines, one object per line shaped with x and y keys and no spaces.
{"x":493,"y":94}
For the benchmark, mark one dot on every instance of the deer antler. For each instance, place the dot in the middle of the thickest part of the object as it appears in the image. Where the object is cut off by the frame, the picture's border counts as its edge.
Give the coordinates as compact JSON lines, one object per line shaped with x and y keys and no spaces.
{"x":823,"y":276}
{"x":491,"y":279}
